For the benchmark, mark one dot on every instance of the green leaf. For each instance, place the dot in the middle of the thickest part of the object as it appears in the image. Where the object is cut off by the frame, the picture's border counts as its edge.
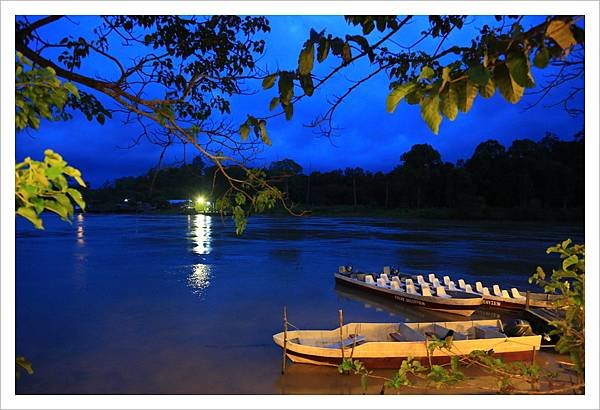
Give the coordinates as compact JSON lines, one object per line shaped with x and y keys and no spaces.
{"x":431,"y":113}
{"x":31,"y":216}
{"x":273,"y":104}
{"x":77,"y":197}
{"x":488,"y":90}
{"x":269,"y":81}
{"x":542,"y":58}
{"x":427,"y":73}
{"x":346,"y":53}
{"x":306,"y":58}
{"x":262,"y":126}
{"x":306,"y":83}
{"x":519,"y":69}
{"x":286,"y":88}
{"x":53,"y":172}
{"x":323,"y":50}
{"x":571,"y":260}
{"x":466,"y":92}
{"x":57,"y":208}
{"x":561,"y":33}
{"x":397,"y":94}
{"x":72,"y":89}
{"x":508,"y":87}
{"x":24,"y":364}
{"x":244,"y":131}
{"x":448,"y":103}
{"x":414,"y":97}
{"x":288,"y":109}
{"x":479,"y":74}
{"x":364,"y":381}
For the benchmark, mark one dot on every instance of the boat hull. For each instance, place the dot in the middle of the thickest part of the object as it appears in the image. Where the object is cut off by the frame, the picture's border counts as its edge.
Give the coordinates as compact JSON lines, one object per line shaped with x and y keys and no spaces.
{"x":396,"y":362}
{"x":378,"y":346}
{"x":458,"y":306}
{"x":495,"y":302}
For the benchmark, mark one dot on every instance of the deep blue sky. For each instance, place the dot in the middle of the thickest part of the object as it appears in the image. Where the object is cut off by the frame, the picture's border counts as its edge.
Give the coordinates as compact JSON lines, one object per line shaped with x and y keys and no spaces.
{"x":370,"y":138}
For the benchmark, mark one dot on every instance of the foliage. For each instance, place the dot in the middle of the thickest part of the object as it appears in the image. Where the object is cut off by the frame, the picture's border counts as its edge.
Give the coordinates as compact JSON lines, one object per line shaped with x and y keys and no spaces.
{"x":38,"y":94}
{"x":569,"y":281}
{"x":22,"y":363}
{"x":494,"y":183}
{"x":177,"y":85}
{"x":43,"y":185}
{"x":441,"y":83}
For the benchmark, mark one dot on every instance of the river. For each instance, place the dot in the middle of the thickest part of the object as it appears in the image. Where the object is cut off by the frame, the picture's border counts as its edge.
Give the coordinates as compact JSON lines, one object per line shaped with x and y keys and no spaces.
{"x":154,"y":304}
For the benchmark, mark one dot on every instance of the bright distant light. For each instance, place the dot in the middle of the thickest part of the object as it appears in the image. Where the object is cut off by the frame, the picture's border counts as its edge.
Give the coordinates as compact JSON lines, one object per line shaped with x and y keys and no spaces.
{"x":207,"y":203}
{"x":126,"y":200}
{"x":200,"y":200}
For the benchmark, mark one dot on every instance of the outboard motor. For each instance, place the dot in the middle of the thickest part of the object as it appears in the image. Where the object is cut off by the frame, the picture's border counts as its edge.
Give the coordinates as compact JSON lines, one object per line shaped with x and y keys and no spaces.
{"x":518,"y":327}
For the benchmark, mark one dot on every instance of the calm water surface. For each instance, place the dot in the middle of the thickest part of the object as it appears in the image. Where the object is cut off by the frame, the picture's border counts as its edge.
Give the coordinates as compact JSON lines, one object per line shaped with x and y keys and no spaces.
{"x":118,"y":304}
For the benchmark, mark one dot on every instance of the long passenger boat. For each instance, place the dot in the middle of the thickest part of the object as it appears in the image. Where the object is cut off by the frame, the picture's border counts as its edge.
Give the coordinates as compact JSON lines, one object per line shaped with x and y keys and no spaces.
{"x":386,"y":345}
{"x":496,"y":297}
{"x":407,"y":292}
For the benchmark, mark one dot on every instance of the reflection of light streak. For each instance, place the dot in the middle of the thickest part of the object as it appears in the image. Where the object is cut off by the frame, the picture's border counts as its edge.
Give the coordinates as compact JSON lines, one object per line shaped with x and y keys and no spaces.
{"x":201,"y":234}
{"x":80,"y":230}
{"x":199,"y":278}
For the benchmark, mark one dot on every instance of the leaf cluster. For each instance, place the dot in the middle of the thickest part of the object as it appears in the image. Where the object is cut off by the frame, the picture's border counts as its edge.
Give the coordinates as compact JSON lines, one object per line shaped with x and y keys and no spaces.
{"x":43,"y":185}
{"x":569,"y":282}
{"x":38,"y":94}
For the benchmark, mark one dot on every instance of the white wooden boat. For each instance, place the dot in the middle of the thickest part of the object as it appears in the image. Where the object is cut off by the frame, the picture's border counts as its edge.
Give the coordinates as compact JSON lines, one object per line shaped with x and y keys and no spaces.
{"x":495,"y":296}
{"x":405,"y":290}
{"x":386,"y":345}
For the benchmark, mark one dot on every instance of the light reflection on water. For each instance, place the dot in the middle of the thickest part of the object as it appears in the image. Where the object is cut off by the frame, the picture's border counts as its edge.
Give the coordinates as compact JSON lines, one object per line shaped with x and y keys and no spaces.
{"x":200,"y":226}
{"x":199,"y":279}
{"x":200,"y":229}
{"x":80,"y":230}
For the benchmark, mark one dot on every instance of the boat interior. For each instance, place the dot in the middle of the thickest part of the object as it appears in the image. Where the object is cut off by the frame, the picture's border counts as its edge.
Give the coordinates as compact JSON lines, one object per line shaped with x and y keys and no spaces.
{"x":420,"y":287}
{"x":355,"y":334}
{"x":433,"y":286}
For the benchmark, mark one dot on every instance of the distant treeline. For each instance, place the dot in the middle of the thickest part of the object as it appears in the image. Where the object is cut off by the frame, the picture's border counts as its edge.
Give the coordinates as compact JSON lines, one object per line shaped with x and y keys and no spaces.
{"x":544,"y":175}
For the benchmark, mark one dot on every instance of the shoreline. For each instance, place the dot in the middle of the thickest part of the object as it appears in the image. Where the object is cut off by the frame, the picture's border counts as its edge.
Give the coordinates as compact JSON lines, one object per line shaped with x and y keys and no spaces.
{"x":311,"y":379}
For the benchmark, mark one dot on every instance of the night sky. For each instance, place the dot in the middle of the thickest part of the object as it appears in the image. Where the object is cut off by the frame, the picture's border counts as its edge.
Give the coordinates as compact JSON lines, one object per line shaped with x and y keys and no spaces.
{"x":369,"y":137}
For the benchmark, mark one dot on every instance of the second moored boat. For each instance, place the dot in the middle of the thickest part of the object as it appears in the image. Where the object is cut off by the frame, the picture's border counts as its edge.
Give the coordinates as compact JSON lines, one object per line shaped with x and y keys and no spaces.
{"x":405,"y":290}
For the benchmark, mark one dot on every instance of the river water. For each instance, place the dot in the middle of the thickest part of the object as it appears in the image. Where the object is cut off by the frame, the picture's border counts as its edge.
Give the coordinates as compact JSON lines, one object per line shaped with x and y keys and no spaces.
{"x":152,"y":304}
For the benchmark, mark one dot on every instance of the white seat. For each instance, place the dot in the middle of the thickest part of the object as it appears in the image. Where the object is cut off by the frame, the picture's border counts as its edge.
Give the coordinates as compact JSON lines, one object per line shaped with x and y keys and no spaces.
{"x":431,"y":277}
{"x":409,"y":282}
{"x":384,"y":276}
{"x":420,"y":279}
{"x":447,"y":280}
{"x":394,"y":284}
{"x":479,"y":287}
{"x":505,"y":294}
{"x":386,"y":270}
{"x":381,"y":283}
{"x":435,"y":283}
{"x":441,"y":292}
{"x":468,"y":288}
{"x":396,"y":279}
{"x":516,"y":294}
{"x":451,"y":286}
{"x":369,"y":279}
{"x":425,"y":285}
{"x":425,"y":291}
{"x":410,"y":288}
{"x":461,"y":283}
{"x":485,"y":291}
{"x":497,"y":291}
